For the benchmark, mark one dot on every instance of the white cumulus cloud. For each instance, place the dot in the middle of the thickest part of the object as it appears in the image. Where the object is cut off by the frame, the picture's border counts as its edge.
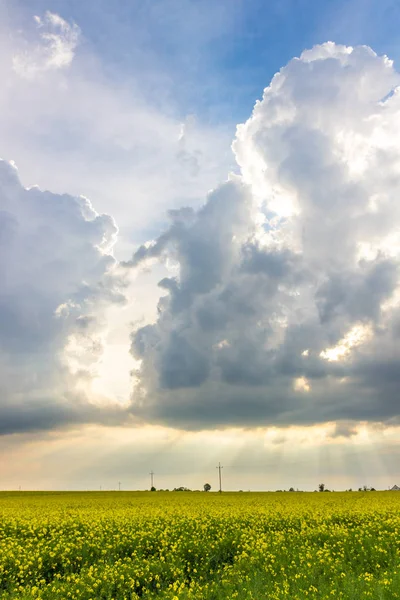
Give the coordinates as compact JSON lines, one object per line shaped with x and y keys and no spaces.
{"x":273,"y":272}
{"x":54,"y":49}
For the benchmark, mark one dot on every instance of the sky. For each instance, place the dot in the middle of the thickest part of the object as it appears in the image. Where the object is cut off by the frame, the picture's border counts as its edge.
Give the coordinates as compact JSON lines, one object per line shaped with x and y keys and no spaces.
{"x":199,"y":244}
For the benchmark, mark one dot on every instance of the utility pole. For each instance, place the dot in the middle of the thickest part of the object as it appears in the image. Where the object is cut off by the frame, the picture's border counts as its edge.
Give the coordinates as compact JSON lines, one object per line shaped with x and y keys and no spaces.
{"x":219,"y":473}
{"x":119,"y":486}
{"x":152,"y":480}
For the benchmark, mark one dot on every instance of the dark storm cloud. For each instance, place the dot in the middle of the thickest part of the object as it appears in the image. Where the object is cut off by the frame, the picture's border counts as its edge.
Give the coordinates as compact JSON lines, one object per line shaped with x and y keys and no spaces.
{"x":50,"y":413}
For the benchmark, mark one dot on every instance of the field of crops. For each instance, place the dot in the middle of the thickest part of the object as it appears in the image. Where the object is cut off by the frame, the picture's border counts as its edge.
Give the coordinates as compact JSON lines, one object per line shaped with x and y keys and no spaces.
{"x":199,"y":545}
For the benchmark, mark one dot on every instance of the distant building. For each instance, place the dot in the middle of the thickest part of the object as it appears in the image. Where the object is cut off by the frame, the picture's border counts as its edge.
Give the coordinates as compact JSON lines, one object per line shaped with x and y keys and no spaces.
{"x":395,"y":488}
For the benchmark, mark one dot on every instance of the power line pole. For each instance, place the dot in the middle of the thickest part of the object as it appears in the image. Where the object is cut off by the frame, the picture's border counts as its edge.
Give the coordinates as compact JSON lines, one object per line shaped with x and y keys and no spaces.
{"x":119,"y":486}
{"x":152,"y":480}
{"x":219,"y":473}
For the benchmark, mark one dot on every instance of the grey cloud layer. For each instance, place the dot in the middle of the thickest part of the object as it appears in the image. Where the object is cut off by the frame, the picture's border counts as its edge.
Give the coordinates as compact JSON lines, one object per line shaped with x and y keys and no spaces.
{"x":298,"y":254}
{"x":56,"y":275}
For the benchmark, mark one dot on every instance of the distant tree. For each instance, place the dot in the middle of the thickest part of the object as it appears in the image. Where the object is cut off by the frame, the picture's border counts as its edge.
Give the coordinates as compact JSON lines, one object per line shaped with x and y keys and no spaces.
{"x":153,"y":489}
{"x":291,"y":489}
{"x":321,"y":487}
{"x":360,"y":489}
{"x":372,"y":489}
{"x":365,"y":489}
{"x":207,"y":487}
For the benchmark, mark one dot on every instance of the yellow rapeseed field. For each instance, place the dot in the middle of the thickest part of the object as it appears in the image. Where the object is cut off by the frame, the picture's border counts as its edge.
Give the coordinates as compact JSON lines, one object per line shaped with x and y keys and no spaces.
{"x":207,"y":546}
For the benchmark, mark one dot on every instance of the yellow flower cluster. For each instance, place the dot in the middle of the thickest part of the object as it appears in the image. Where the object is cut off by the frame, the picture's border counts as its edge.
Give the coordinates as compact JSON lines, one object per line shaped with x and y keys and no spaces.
{"x":120,"y":546}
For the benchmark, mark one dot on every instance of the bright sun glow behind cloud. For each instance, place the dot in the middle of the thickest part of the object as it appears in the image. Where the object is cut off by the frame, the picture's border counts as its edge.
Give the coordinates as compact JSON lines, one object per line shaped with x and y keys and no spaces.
{"x":354,"y":338}
{"x":301,"y":384}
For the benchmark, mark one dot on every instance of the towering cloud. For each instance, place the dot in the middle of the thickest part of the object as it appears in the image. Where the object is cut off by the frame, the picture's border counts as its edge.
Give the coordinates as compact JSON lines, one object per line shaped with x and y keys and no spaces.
{"x":285,"y":308}
{"x":56,"y":276}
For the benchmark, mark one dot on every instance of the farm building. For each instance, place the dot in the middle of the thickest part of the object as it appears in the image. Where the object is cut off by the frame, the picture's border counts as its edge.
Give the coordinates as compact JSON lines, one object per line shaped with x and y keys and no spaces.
{"x":395,"y":488}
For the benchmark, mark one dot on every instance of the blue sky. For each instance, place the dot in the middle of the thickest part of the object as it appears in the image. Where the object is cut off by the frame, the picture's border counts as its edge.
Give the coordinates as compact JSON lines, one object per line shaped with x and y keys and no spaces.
{"x":214,"y":58}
